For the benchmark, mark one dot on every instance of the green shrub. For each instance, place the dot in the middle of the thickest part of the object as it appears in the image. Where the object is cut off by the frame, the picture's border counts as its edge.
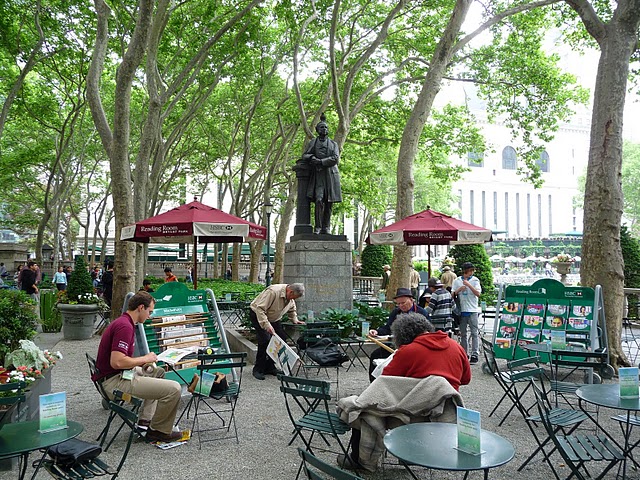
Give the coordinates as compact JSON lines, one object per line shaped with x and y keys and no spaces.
{"x":376,"y":316}
{"x":80,"y":282}
{"x":373,"y":258}
{"x":477,"y":255}
{"x":631,"y":255}
{"x":345,"y":320}
{"x":18,"y":320}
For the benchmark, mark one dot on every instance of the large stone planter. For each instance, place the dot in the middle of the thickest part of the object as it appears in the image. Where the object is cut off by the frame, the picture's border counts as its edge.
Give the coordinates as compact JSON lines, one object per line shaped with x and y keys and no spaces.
{"x":563,"y":268}
{"x":27,"y":410}
{"x":78,"y":320}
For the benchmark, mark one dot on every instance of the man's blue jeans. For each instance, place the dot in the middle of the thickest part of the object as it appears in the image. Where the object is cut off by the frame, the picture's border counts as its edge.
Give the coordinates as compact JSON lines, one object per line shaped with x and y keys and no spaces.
{"x":470,"y":319}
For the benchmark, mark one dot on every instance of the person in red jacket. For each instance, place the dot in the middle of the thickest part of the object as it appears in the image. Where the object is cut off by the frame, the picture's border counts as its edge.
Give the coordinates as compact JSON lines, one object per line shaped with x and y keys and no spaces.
{"x":422,"y":352}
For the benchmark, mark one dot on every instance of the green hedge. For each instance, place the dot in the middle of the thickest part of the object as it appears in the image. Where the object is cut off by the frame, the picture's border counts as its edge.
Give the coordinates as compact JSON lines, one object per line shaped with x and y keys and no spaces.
{"x":373,"y":258}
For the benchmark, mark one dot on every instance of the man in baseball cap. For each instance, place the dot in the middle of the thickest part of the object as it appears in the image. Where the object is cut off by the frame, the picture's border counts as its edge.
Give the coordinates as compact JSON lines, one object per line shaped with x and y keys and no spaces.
{"x":466,"y":288}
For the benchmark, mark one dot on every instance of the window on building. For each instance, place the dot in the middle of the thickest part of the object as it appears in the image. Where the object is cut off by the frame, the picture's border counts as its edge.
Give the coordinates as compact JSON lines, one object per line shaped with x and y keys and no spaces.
{"x":539,"y":215}
{"x":518,"y":214}
{"x":550,"y":215}
{"x":528,"y":214}
{"x":543,"y":162}
{"x":495,"y":210}
{"x":484,"y":209}
{"x":475,"y":159}
{"x":471,"y":206}
{"x":509,"y":158}
{"x":506,"y":211}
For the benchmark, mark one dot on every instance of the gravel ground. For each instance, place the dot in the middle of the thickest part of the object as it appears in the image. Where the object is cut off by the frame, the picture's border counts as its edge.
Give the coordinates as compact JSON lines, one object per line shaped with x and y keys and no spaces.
{"x":264,"y":429}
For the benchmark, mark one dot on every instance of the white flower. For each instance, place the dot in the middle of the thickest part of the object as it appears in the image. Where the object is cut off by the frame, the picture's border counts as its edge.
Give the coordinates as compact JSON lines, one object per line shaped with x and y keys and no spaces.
{"x":59,"y":355}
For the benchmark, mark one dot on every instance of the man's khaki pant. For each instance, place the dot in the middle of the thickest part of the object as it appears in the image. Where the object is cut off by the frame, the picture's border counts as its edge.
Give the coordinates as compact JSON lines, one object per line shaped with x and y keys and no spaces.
{"x":161,"y":396}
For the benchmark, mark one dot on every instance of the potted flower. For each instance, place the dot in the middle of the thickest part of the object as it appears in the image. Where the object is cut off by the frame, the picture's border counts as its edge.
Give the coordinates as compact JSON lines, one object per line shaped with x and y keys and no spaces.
{"x":563,"y":262}
{"x":32,"y":366}
{"x":79,"y":305}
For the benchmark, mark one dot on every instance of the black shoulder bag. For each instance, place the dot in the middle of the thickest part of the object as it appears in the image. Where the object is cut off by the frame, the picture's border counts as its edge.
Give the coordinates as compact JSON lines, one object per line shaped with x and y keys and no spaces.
{"x":74,"y":452}
{"x":326,"y":353}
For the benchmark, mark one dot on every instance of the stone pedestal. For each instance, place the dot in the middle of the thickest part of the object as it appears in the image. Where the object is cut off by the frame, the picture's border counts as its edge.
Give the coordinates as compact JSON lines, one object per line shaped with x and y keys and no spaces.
{"x":323,"y":264}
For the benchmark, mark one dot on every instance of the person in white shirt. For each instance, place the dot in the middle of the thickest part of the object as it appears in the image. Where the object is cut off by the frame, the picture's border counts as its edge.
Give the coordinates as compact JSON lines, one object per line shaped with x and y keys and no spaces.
{"x":466,"y":290}
{"x":60,"y":279}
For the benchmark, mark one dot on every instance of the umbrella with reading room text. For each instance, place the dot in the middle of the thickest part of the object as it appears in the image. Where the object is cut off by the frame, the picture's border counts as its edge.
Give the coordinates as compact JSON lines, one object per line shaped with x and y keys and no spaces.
{"x":190,"y":223}
{"x":429,"y":228}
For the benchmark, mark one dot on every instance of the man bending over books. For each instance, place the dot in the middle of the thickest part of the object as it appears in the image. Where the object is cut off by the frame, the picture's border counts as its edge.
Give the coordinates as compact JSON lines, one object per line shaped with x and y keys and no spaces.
{"x":119,"y":370}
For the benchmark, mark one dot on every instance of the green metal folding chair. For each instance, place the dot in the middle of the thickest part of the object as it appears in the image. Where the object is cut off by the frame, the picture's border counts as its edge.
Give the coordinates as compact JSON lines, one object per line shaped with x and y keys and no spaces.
{"x":221,"y":404}
{"x":315,"y":469}
{"x":96,"y":467}
{"x":578,"y":450}
{"x":307,"y":403}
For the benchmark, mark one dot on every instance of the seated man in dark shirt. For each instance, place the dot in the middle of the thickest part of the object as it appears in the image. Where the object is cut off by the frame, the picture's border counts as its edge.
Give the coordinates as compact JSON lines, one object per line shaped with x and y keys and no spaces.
{"x":120,"y":370}
{"x":405,"y":303}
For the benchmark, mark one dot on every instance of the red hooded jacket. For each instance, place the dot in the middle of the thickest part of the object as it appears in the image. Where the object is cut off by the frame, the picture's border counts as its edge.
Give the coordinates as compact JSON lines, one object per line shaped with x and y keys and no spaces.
{"x":431,"y":354}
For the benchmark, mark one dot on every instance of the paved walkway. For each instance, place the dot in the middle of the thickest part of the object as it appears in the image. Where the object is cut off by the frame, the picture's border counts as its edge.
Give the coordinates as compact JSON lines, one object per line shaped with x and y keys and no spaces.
{"x":264,"y":428}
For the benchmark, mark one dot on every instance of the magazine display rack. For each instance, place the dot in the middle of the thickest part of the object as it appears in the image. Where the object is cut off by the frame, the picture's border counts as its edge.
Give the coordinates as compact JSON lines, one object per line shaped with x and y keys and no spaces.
{"x":182,"y":319}
{"x":570,"y":320}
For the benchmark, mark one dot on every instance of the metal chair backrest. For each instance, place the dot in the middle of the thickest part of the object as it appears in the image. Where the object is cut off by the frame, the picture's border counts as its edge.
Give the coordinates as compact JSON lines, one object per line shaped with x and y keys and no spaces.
{"x":313,"y":466}
{"x":304,"y":395}
{"x":93,"y":370}
{"x":222,"y":361}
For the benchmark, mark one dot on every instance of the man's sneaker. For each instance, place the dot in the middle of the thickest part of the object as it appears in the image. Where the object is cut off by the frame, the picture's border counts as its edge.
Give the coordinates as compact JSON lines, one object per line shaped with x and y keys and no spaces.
{"x":156,"y":436}
{"x":474,"y":359}
{"x":258,"y":375}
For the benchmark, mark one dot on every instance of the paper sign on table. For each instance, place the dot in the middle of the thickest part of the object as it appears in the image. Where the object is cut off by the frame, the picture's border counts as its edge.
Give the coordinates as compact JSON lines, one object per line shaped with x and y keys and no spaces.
{"x":628,"y":382}
{"x":469,"y":431}
{"x":558,"y":339}
{"x":53,"y":412}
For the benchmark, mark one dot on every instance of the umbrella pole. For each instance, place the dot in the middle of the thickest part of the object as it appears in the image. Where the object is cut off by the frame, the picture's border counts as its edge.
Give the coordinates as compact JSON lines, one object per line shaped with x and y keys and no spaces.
{"x":194,"y":274}
{"x":429,"y":259}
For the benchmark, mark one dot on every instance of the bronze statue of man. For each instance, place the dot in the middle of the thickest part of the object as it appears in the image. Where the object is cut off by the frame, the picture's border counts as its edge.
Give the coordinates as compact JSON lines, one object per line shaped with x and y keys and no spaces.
{"x":322,"y":155}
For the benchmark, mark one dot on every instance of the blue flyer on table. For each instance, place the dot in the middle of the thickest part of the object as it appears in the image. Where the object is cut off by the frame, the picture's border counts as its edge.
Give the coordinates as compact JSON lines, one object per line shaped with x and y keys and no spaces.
{"x":628,"y":382}
{"x":53,"y":412}
{"x":469,"y":431}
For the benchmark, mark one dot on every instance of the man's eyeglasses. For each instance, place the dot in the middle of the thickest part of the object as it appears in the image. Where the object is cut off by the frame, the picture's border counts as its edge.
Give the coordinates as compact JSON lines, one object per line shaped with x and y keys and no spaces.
{"x":403,"y":302}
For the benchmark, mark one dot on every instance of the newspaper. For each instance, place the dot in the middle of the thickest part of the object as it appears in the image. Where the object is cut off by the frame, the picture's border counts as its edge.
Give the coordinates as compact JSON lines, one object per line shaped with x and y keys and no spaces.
{"x":173,"y":355}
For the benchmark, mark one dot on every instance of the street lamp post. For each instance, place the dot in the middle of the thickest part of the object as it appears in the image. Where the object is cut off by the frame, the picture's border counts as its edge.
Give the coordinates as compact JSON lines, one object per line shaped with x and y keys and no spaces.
{"x":267,"y":210}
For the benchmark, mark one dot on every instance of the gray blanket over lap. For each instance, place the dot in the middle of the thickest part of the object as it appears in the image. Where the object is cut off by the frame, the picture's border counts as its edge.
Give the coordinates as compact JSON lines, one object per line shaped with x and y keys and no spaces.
{"x":393,"y":401}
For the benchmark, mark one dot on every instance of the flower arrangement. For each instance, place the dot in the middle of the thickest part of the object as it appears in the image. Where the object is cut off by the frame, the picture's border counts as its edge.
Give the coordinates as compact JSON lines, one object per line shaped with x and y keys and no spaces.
{"x":29,"y":358}
{"x":28,"y":364}
{"x":562,"y":257}
{"x":80,"y":290}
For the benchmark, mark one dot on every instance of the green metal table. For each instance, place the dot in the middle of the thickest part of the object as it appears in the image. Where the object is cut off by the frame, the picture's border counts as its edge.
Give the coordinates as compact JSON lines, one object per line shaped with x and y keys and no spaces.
{"x":433,"y":445}
{"x":22,"y":438}
{"x":608,"y":395}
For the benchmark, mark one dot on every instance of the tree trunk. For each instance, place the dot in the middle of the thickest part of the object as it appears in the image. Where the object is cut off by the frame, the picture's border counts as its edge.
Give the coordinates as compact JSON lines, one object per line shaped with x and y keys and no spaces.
{"x":602,"y":261}
{"x":286,"y":215}
{"x":116,"y":141}
{"x":411,"y":137}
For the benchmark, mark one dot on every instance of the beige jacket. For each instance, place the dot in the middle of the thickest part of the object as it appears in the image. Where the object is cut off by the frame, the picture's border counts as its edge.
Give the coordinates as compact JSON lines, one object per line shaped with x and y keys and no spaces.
{"x":272,"y":304}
